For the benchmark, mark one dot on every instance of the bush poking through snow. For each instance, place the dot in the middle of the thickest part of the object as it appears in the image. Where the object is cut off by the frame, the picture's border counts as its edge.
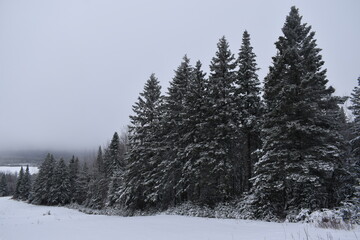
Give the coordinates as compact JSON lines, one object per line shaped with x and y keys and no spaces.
{"x":325,"y":218}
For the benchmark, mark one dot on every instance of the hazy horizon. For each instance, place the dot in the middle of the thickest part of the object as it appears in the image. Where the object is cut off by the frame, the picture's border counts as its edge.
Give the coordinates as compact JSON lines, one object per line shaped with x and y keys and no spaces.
{"x":70,"y":71}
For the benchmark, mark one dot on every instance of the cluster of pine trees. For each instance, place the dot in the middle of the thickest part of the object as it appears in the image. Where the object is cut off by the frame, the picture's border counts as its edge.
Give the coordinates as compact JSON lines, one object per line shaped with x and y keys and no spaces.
{"x":56,"y":183}
{"x":4,"y":189}
{"x":59,"y":183}
{"x":7,"y":184}
{"x":23,"y":184}
{"x":215,"y":139}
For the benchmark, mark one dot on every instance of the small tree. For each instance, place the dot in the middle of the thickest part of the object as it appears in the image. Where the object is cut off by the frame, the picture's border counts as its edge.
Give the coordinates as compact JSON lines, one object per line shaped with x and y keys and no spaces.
{"x":3,"y":186}
{"x":82,"y":185}
{"x":26,"y":184}
{"x":73,"y":175}
{"x":19,"y":190}
{"x":114,"y":157}
{"x":98,"y":185}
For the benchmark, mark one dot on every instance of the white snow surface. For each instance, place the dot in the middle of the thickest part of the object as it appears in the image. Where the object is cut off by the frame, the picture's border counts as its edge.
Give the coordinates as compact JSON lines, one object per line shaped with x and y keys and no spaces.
{"x":16,"y":169}
{"x":19,"y":220}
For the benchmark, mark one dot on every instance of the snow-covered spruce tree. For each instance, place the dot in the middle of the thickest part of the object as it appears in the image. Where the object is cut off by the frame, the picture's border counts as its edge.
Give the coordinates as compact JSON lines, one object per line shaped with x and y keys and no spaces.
{"x":114,"y":162}
{"x":247,"y":95}
{"x":19,"y":185}
{"x":3,"y":186}
{"x":301,"y":146}
{"x":41,"y":189}
{"x":98,"y":185}
{"x":82,"y":185}
{"x":113,"y":158}
{"x":138,"y":181}
{"x":73,"y":176}
{"x":99,"y":162}
{"x":195,"y":167}
{"x":26,"y":184}
{"x":355,"y":141}
{"x":173,"y":128}
{"x":60,"y":189}
{"x":222,"y":134}
{"x":355,"y":107}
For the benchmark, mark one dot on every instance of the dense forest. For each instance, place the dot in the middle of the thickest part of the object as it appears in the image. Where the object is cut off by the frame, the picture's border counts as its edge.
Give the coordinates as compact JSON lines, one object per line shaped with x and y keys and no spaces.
{"x":221,"y":138}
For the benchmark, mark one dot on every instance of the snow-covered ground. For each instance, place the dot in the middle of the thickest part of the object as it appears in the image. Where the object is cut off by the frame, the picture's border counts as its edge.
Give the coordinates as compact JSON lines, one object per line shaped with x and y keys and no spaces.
{"x":19,"y":220}
{"x":16,"y":169}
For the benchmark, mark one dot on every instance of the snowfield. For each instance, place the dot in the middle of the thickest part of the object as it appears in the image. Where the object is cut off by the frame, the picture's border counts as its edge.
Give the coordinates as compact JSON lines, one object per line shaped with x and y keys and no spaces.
{"x":16,"y":169}
{"x":20,"y":220}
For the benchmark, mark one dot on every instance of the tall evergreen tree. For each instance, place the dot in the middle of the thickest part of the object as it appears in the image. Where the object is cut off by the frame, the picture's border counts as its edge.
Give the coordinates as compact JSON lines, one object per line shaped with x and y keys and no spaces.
{"x":195,"y":169}
{"x":41,"y":189}
{"x":355,"y":107}
{"x":61,"y":188}
{"x":173,"y":127}
{"x":301,"y":146}
{"x":26,"y":184}
{"x":222,"y":126}
{"x":19,"y":190}
{"x":247,"y":94}
{"x":138,"y":183}
{"x":355,"y":141}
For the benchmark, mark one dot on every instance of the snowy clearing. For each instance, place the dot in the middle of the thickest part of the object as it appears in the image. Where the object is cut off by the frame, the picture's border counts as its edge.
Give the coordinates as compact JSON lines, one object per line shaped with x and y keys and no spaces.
{"x":16,"y":169}
{"x":19,"y":220}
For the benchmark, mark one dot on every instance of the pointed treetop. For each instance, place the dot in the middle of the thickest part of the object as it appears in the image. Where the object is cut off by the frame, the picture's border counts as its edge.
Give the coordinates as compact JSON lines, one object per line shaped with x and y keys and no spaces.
{"x":224,"y":59}
{"x":115,"y":136}
{"x":293,"y":29}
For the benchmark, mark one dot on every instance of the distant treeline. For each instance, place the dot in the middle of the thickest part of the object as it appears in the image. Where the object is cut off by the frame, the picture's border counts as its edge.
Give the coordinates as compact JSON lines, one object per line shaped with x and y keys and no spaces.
{"x":36,"y":157}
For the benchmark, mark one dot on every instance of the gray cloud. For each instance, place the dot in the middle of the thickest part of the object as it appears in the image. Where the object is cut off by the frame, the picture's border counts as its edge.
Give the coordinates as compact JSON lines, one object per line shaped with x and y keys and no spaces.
{"x":70,"y":70}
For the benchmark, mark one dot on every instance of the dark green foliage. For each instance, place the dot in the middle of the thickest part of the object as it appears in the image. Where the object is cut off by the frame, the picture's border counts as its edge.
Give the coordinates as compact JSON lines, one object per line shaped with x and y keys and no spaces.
{"x":302,"y":147}
{"x":173,"y":129}
{"x":61,"y":188}
{"x":355,"y":141}
{"x":137,"y":190}
{"x":195,"y":166}
{"x":26,"y":184}
{"x":19,"y":185}
{"x":98,"y":185}
{"x":4,"y":191}
{"x":114,"y":157}
{"x":41,"y":189}
{"x":99,"y":163}
{"x":222,"y":126}
{"x":97,"y":193}
{"x":73,"y":176}
{"x":23,"y":184}
{"x":248,"y":103}
{"x":355,"y":107}
{"x":82,"y":185}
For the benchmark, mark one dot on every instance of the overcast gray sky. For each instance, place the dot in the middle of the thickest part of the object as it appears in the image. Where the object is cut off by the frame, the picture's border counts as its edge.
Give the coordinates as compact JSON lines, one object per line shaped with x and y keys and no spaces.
{"x":70,"y":70}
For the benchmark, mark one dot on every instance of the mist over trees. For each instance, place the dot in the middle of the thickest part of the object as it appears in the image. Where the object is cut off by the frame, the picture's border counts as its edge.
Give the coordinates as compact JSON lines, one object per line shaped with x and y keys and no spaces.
{"x":217,"y":139}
